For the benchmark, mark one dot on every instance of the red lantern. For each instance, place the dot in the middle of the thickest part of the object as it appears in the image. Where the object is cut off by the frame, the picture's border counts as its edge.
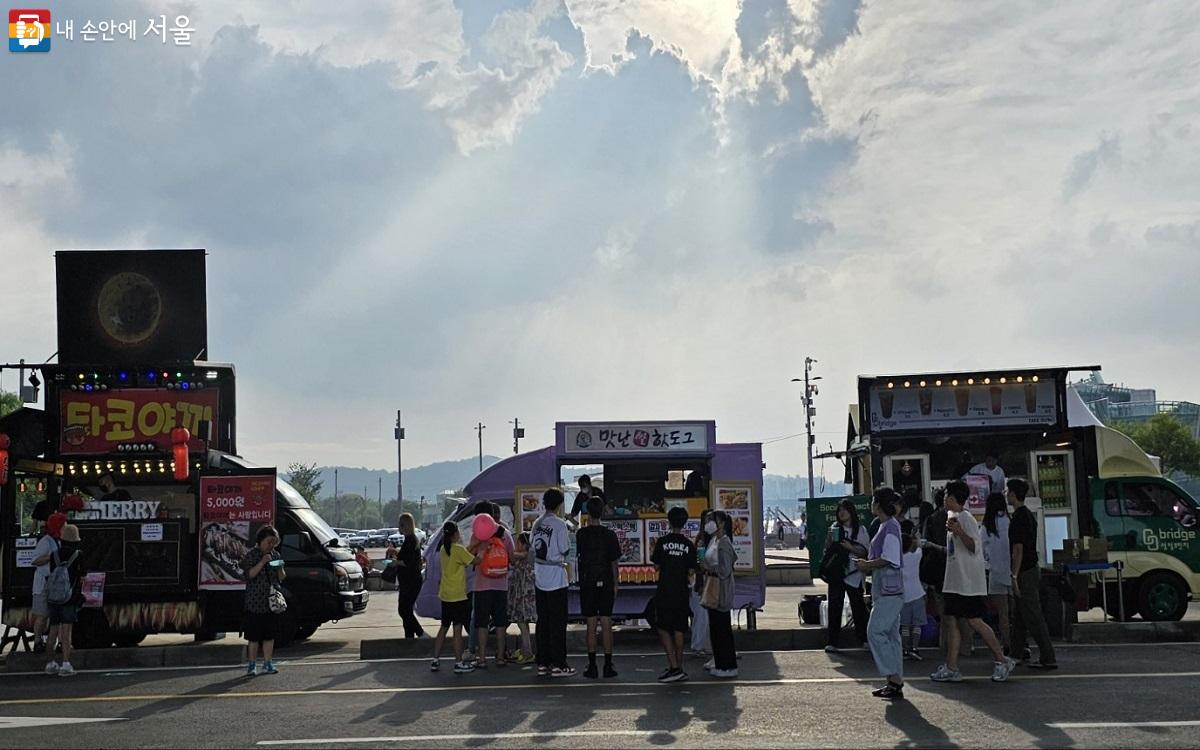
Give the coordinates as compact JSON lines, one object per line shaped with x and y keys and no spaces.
{"x":179,"y":447}
{"x":4,"y":443}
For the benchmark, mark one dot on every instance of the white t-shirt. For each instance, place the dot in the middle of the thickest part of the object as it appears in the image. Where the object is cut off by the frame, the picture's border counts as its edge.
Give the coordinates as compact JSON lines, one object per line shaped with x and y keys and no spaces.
{"x":965,"y":574}
{"x":996,"y":548}
{"x":550,"y":547}
{"x":913,"y":590}
{"x":45,"y":547}
{"x":996,"y":476}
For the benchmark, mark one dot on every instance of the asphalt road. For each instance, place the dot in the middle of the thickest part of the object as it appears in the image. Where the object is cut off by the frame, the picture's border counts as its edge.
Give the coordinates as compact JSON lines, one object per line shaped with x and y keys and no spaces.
{"x":786,"y":699}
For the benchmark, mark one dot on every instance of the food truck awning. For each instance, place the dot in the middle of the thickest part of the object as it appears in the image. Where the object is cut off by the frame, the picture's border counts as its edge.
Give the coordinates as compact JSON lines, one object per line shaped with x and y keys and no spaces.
{"x":498,"y":480}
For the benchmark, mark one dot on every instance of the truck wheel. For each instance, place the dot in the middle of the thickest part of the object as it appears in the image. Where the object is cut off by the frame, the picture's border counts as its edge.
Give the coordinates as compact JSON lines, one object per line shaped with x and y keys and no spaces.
{"x":92,"y":631}
{"x":1162,"y":596}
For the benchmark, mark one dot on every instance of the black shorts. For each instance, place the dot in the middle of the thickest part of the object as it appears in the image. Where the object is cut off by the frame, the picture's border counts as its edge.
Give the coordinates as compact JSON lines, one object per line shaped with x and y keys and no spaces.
{"x":966,"y":607}
{"x":63,"y":614}
{"x":456,"y":613}
{"x":671,"y":616}
{"x":491,"y":609}
{"x":259,"y":627}
{"x":596,"y":597}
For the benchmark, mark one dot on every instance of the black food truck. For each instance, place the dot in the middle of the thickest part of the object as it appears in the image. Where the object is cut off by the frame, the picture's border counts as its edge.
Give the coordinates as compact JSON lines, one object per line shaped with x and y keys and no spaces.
{"x":137,"y":446}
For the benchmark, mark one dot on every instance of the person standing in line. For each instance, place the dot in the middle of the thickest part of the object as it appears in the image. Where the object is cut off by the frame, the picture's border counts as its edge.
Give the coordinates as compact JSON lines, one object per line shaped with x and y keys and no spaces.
{"x":719,"y":557}
{"x":263,"y":568}
{"x":64,"y":615}
{"x":599,"y":551}
{"x":675,"y":557}
{"x":1027,"y":582}
{"x":912,"y":618}
{"x":965,"y":589}
{"x":700,"y":639}
{"x":933,"y":573}
{"x":50,"y":525}
{"x":408,"y":578}
{"x":550,"y":547}
{"x":887,"y":593}
{"x":452,"y":591}
{"x":996,"y":557}
{"x":847,"y":538}
{"x":522,"y":606}
{"x":490,"y":587}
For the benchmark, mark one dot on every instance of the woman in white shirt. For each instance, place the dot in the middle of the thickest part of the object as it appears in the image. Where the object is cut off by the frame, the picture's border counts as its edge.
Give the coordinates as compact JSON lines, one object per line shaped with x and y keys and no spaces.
{"x":887,"y":593}
{"x":998,"y":559}
{"x":848,"y":538}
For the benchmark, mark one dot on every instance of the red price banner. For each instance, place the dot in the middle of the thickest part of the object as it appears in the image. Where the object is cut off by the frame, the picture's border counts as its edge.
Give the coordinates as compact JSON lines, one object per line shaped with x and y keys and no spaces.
{"x":232,"y":510}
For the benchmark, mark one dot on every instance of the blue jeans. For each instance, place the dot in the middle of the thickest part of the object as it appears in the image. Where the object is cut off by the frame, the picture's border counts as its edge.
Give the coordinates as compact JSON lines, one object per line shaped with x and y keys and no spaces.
{"x":883,"y":633}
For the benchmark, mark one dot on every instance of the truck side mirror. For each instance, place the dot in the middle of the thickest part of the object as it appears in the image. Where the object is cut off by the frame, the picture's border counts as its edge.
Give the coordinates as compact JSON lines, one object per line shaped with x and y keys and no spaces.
{"x":306,"y":542}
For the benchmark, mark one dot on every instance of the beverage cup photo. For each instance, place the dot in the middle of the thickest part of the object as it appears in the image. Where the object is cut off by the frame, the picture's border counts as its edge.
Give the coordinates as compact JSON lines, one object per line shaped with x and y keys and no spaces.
{"x":886,"y":401}
{"x":997,"y":398}
{"x":1031,"y":398}
{"x":926,"y":399}
{"x":962,"y":400}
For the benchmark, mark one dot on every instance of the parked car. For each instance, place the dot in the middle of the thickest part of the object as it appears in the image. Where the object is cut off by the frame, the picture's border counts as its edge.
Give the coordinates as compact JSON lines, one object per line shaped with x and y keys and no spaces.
{"x":378,"y":537}
{"x":357,"y":538}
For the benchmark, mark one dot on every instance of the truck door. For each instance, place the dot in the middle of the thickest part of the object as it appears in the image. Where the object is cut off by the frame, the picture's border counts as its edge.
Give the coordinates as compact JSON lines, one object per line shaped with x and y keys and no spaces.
{"x":308,"y":575}
{"x":1161,"y":523}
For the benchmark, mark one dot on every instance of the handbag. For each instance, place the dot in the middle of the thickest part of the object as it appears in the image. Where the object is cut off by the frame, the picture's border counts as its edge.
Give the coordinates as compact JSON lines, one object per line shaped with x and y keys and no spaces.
{"x":277,"y":601}
{"x":711,"y":596}
{"x":390,"y":573}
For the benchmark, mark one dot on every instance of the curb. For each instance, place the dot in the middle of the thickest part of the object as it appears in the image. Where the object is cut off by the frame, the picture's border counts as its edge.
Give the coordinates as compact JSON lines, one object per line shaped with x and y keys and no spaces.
{"x":136,"y":657}
{"x":1135,"y":632}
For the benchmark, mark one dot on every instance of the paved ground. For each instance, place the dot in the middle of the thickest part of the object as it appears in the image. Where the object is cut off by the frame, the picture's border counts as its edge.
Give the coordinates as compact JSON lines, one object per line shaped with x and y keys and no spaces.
{"x":1121,"y":696}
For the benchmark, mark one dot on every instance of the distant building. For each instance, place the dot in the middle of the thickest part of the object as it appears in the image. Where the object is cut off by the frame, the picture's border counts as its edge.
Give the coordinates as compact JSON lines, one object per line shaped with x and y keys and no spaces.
{"x":1117,"y":403}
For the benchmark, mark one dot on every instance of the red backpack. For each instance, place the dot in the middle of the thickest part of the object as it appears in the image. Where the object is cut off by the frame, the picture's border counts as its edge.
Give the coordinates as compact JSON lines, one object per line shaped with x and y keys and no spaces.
{"x":495,"y":559}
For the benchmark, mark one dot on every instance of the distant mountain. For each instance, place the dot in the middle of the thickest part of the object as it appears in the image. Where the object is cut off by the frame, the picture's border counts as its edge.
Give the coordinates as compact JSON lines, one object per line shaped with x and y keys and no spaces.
{"x":429,"y":480}
{"x":426,"y":480}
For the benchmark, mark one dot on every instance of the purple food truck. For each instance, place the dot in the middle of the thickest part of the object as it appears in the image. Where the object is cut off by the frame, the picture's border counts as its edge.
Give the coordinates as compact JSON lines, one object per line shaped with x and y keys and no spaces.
{"x":644,"y":470}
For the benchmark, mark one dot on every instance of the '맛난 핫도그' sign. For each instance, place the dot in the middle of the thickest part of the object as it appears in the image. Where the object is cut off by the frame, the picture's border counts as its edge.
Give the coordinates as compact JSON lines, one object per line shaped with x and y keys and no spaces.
{"x":646,"y":438}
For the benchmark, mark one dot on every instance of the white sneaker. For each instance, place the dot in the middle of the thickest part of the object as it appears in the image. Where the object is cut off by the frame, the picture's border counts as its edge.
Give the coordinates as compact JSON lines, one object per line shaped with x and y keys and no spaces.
{"x":831,"y":649}
{"x":725,"y":674}
{"x":52,"y":668}
{"x":711,"y":664}
{"x":66,"y":670}
{"x":945,"y":674}
{"x":1003,"y":669}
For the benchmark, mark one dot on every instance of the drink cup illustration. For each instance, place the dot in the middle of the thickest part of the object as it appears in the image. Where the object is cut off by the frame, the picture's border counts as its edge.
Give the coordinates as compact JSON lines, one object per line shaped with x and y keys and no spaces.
{"x":926,"y":399}
{"x":962,"y":400}
{"x":886,"y":399}
{"x":1031,"y":398}
{"x":997,"y":399}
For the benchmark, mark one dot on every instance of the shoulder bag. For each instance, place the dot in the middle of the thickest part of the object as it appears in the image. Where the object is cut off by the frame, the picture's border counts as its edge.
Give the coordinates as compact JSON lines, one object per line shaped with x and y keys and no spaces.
{"x":276,"y":601}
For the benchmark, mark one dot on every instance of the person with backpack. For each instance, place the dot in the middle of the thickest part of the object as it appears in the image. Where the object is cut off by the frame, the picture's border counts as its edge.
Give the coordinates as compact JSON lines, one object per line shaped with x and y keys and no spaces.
{"x":847,"y":538}
{"x":63,"y":598}
{"x":599,"y":551}
{"x":491,"y":587}
{"x":50,"y":525}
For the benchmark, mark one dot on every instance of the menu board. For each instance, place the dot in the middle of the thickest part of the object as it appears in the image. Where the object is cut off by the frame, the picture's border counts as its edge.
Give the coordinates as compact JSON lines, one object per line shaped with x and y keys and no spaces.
{"x":951,"y":403}
{"x":738,"y":500}
{"x":659,"y":527}
{"x":529,"y":502}
{"x":629,"y":536}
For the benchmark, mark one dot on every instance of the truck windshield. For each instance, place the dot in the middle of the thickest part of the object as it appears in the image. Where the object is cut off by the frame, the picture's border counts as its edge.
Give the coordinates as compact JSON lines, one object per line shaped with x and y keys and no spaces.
{"x":315,"y":525}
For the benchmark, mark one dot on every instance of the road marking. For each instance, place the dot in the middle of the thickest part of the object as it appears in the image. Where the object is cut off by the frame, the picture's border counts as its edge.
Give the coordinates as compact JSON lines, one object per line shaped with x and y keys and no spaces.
{"x":25,"y":722}
{"x":1121,"y":724}
{"x":468,"y":737}
{"x":551,"y":687}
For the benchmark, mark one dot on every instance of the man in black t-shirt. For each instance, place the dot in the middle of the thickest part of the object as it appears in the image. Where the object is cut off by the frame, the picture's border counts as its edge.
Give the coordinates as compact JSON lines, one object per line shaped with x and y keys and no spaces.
{"x":586,"y":493}
{"x":1027,"y":581}
{"x":599,"y":551}
{"x":675,"y":557}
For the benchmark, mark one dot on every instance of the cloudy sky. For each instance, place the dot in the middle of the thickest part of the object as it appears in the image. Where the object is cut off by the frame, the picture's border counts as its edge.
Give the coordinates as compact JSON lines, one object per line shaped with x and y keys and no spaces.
{"x":594,"y":209}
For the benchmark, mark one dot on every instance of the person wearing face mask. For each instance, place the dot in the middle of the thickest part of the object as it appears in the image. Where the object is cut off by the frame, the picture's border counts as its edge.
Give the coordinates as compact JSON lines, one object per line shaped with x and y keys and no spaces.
{"x":719,"y":557}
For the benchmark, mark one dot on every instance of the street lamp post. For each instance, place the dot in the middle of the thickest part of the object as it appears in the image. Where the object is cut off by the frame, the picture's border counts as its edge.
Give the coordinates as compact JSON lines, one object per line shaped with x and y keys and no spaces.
{"x":337,"y":504}
{"x":399,"y":435}
{"x":810,"y":390}
{"x":518,"y":433}
{"x":479,"y":428}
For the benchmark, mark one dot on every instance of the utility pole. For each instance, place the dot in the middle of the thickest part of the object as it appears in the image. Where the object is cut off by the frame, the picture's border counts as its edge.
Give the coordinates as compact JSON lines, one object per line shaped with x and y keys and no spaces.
{"x":479,"y":428}
{"x":810,"y":411}
{"x":518,"y":433}
{"x":380,"y":498}
{"x":337,"y":504}
{"x":399,"y":434}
